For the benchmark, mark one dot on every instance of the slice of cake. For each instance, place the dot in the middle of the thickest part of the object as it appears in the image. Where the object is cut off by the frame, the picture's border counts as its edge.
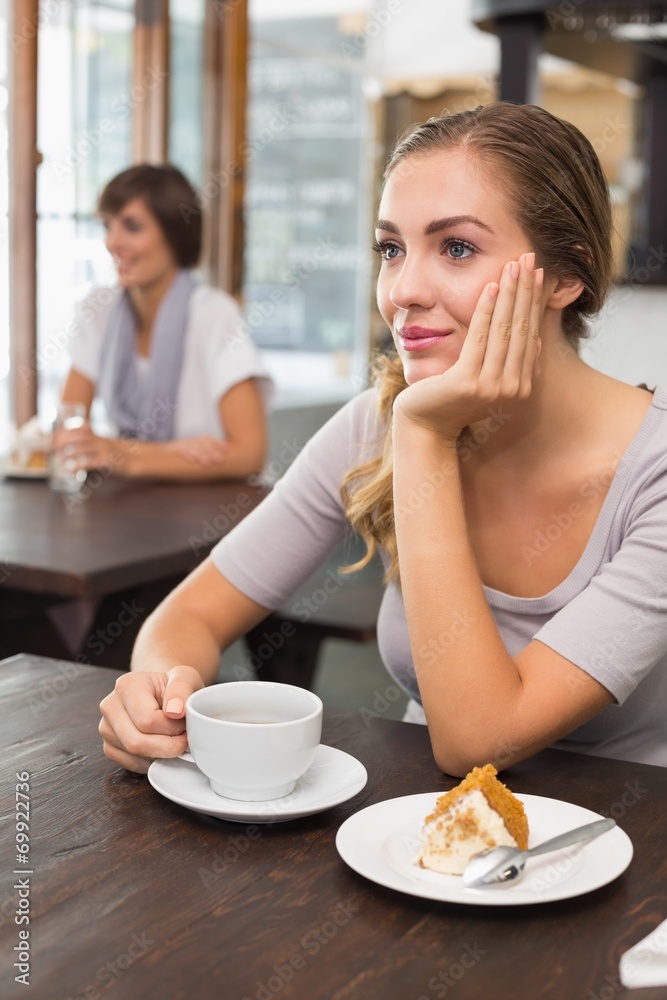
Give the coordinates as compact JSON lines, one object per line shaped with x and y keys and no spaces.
{"x":479,"y":813}
{"x":32,"y":445}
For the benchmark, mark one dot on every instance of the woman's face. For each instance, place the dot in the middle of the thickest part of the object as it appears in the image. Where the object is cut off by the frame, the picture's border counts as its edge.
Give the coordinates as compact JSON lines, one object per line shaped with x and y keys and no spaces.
{"x":138,"y":246}
{"x":444,"y":232}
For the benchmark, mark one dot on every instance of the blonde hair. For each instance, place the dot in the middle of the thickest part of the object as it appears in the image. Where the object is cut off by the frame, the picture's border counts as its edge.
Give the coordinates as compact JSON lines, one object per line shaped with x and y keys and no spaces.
{"x":367,"y":490}
{"x":560,"y":198}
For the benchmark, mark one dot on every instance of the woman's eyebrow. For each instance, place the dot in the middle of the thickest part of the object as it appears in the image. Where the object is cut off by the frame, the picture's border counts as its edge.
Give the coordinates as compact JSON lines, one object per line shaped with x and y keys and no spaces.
{"x":388,"y":227}
{"x":450,"y":222}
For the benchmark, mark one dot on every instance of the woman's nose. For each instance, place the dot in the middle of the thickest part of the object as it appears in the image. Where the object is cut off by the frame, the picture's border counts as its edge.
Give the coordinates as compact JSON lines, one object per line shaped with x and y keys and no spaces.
{"x":413,"y":285}
{"x":111,"y":238}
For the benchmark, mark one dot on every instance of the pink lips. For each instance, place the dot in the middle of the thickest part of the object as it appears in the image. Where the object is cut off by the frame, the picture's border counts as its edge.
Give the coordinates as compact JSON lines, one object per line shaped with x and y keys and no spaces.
{"x":418,"y":338}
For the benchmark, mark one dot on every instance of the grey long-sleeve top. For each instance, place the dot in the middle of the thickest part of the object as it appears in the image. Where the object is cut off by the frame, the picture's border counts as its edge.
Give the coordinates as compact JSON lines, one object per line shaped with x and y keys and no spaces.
{"x":609,"y":616}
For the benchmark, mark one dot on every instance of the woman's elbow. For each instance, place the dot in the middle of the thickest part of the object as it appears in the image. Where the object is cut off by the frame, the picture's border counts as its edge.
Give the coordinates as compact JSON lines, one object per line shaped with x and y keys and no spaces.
{"x":460,"y":761}
{"x":453,"y":764}
{"x":255,"y":459}
{"x":244,"y":460}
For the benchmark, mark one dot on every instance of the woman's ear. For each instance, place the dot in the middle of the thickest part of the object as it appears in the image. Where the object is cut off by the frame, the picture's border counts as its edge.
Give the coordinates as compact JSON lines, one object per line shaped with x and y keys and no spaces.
{"x":566,"y":290}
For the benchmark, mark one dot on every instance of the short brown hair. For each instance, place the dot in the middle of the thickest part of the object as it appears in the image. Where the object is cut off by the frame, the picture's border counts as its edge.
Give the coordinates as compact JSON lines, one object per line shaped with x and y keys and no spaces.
{"x":169,"y":196}
{"x":556,"y":187}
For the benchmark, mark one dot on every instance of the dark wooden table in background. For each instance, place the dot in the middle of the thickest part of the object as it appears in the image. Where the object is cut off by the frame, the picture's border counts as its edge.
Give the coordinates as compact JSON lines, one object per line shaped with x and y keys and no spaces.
{"x":135,"y":897}
{"x":118,"y":537}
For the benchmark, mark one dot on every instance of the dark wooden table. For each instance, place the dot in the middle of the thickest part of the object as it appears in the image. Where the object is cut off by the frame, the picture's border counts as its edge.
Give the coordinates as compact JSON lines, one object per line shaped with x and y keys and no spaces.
{"x":117,"y":537}
{"x":134,"y":897}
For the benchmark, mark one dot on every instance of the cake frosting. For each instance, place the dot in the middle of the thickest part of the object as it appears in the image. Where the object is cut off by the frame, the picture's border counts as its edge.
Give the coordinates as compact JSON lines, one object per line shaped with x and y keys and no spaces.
{"x":479,"y":813}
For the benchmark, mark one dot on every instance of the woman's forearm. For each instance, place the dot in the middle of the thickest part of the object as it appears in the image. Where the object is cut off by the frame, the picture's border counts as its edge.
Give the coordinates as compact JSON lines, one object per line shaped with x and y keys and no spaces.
{"x":172,"y":636}
{"x":165,"y":460}
{"x":471,"y":688}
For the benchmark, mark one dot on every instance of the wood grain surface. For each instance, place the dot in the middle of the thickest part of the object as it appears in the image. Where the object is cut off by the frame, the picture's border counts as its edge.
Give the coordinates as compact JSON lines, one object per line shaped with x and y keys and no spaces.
{"x":134,"y":897}
{"x":119,"y":534}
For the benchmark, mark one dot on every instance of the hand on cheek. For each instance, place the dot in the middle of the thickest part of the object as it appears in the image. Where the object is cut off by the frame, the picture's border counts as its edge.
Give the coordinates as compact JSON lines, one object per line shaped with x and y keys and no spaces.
{"x":497,"y":360}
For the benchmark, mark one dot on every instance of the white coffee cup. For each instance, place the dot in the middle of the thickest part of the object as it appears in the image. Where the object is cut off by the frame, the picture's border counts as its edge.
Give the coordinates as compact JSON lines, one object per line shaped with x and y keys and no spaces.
{"x":253,"y":739}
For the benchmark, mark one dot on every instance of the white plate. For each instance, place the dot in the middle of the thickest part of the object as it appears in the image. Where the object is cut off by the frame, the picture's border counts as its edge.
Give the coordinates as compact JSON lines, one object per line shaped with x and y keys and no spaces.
{"x":333,"y":777}
{"x":9,"y":469}
{"x":382,"y":841}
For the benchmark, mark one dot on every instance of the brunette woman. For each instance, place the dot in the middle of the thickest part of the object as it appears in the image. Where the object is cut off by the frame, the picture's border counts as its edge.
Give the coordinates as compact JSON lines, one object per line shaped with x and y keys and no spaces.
{"x":182,"y":383}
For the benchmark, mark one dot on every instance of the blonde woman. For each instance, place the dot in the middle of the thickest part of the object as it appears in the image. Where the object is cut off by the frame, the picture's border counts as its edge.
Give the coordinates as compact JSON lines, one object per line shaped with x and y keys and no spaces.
{"x":482,"y":431}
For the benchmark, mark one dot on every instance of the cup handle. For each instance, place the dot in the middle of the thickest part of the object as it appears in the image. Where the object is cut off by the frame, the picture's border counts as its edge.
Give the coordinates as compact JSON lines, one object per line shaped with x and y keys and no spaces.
{"x":186,"y":755}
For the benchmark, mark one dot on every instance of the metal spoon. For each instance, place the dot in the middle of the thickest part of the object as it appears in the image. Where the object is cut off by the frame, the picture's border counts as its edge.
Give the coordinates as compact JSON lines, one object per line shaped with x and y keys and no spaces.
{"x":503,"y":864}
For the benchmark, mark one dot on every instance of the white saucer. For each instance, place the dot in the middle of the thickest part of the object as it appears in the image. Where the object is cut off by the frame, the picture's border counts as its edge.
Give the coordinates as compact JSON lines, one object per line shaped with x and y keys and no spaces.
{"x":333,"y":777}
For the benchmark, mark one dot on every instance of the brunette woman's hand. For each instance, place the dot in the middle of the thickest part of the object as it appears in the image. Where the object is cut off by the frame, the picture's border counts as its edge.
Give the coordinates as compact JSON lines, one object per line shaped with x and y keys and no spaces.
{"x":497,"y":360}
{"x":82,"y":449}
{"x":144,"y":716}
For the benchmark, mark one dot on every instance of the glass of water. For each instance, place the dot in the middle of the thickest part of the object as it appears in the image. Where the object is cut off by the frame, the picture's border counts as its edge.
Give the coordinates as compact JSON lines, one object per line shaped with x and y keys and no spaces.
{"x":62,"y":477}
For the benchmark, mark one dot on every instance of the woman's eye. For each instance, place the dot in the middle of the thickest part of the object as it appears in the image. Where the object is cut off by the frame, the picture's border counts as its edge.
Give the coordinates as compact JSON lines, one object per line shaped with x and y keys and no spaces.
{"x":387,"y":251}
{"x":459,"y":249}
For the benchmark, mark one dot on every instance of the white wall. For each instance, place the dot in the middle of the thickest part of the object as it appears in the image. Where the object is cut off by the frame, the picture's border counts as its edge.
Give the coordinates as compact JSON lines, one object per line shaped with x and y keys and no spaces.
{"x":629,"y":339}
{"x":430,"y":38}
{"x":426,"y":43}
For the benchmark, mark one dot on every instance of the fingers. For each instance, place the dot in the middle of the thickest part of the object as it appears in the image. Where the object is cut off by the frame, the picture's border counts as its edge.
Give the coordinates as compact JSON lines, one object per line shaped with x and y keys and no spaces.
{"x":87,"y":460}
{"x":86,"y":451}
{"x":182,"y":682}
{"x":529,"y":364}
{"x":524,"y":327}
{"x":512,"y":337}
{"x":114,"y":752}
{"x":510,"y":295}
{"x":134,"y":728}
{"x":475,"y":345}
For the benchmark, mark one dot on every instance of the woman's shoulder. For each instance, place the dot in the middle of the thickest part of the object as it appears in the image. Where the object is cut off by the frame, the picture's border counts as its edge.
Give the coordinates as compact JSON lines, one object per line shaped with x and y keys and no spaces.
{"x":89,"y":328}
{"x":215,"y":324}
{"x":655,"y":445}
{"x":646,"y":458}
{"x":214,"y":302}
{"x":653,"y":431}
{"x":633,"y":420}
{"x":659,"y":393}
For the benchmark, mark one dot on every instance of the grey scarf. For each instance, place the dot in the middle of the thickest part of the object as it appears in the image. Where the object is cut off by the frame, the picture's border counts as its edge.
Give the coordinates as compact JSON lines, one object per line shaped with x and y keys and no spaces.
{"x":145,"y":407}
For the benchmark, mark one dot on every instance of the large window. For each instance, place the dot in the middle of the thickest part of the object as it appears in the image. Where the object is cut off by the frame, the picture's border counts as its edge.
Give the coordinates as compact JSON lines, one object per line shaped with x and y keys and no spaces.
{"x":308,"y":171}
{"x":84,"y":134}
{"x":186,"y":81}
{"x":308,"y":202}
